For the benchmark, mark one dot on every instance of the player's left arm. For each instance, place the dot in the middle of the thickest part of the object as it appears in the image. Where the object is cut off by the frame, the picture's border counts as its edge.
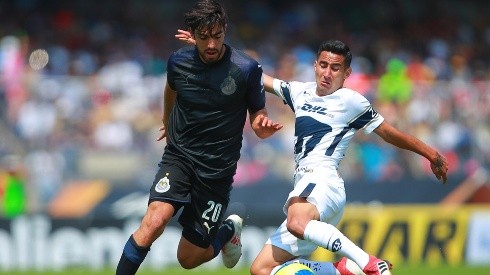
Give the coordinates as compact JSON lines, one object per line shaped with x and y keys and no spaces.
{"x":438,"y":162}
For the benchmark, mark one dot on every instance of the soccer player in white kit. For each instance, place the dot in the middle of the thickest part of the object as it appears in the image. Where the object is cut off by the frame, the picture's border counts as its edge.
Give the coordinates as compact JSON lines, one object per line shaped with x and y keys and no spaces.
{"x":327,"y":117}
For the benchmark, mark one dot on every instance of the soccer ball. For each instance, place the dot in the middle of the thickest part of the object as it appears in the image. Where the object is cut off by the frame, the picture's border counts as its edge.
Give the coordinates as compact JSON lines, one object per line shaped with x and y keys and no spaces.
{"x":293,"y":269}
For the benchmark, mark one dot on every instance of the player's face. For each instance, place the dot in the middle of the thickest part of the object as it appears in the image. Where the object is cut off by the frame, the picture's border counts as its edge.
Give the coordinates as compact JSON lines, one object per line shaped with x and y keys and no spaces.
{"x":330,"y":72}
{"x":210,"y":44}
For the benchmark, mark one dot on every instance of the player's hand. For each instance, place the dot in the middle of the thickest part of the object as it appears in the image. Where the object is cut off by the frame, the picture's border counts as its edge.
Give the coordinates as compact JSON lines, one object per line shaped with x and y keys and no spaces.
{"x":264,"y":127}
{"x":163,"y":133}
{"x":185,"y":36}
{"x":439,"y":167}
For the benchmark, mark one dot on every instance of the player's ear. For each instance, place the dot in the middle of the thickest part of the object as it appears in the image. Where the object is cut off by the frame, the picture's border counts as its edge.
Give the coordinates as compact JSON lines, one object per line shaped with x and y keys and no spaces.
{"x":314,"y":65}
{"x":347,"y":73}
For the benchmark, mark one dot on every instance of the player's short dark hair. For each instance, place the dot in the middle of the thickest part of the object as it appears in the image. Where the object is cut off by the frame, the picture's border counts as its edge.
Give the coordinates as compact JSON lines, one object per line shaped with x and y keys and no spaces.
{"x":205,"y":15}
{"x":336,"y":47}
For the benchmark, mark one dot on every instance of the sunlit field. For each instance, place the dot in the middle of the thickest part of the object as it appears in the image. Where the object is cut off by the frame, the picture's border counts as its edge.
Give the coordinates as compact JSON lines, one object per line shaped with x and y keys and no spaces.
{"x":400,"y":270}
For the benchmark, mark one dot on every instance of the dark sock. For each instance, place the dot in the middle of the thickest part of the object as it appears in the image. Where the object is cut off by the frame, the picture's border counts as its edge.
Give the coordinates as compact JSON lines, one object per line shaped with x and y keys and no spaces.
{"x":225,"y":232}
{"x":131,"y":258}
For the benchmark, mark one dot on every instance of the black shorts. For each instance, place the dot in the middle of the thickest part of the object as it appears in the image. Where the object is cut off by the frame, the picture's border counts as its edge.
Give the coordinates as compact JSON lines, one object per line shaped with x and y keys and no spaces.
{"x":204,"y":200}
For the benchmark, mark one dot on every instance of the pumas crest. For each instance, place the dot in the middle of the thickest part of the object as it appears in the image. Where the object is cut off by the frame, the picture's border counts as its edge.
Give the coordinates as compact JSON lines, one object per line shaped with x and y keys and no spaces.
{"x":228,"y":86}
{"x":163,"y":185}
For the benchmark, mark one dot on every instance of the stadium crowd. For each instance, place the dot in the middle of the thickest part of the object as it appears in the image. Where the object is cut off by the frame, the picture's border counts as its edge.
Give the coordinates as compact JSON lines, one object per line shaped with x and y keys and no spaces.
{"x":425,"y":65}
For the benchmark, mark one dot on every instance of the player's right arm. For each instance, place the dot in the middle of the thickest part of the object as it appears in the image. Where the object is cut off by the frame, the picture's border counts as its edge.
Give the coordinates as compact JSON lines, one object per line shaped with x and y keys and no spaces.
{"x":438,"y":162}
{"x":169,"y":96}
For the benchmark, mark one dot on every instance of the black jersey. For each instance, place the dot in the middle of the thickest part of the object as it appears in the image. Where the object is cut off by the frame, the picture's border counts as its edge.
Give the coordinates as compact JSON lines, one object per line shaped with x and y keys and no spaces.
{"x":206,"y":123}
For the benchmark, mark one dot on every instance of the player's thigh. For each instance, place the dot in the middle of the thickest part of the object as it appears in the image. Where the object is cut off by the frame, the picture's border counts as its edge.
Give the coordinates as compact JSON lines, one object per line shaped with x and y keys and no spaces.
{"x":172,"y":183}
{"x":202,"y":217}
{"x":300,"y":208}
{"x":325,"y":191}
{"x":284,"y":240}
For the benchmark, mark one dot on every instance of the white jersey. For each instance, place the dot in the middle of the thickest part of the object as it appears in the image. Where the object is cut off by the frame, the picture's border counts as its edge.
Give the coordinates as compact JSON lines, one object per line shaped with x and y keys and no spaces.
{"x":325,"y":124}
{"x":324,"y":127}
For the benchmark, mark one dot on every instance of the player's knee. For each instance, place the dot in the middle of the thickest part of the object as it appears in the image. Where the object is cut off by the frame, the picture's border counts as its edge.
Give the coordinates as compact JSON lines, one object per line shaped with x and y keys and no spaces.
{"x":256,"y":269}
{"x":296,"y":227}
{"x":155,"y":221}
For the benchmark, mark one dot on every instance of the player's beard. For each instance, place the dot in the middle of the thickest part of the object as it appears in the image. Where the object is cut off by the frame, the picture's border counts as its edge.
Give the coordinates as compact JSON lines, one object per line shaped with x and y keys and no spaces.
{"x":215,"y":57}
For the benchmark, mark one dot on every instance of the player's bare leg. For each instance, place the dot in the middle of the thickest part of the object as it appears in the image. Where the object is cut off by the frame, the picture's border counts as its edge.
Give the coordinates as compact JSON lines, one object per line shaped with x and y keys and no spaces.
{"x":268,"y":258}
{"x":156,"y":218}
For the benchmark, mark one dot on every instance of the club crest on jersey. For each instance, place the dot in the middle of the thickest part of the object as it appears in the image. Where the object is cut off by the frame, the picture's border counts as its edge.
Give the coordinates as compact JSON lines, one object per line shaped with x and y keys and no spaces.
{"x":228,"y":86}
{"x":163,"y":185}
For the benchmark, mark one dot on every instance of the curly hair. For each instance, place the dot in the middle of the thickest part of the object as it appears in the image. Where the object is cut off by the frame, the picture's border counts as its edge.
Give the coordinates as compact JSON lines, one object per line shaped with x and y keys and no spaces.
{"x":205,"y":15}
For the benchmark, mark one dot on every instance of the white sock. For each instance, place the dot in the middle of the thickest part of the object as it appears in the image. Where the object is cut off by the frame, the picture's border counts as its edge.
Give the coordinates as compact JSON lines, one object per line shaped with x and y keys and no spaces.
{"x":329,"y":237}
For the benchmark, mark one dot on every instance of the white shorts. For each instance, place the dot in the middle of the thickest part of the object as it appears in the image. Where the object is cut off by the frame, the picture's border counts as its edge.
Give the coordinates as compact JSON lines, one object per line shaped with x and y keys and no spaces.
{"x":325,"y":189}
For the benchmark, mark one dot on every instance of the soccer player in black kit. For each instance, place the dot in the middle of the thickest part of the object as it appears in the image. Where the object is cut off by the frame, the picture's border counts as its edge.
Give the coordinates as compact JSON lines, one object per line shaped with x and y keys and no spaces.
{"x":210,"y":88}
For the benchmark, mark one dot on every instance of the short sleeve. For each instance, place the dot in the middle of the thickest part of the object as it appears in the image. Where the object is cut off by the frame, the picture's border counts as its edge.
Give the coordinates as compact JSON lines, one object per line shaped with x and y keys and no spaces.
{"x":255,"y":89}
{"x":171,"y":71}
{"x":366,"y":116}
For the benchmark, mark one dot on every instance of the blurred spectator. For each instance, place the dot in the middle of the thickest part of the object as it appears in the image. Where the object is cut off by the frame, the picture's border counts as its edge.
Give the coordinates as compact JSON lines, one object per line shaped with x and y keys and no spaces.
{"x":36,"y":121}
{"x":13,"y":195}
{"x":360,"y":79}
{"x":459,"y":69}
{"x":418,"y":72}
{"x":378,"y":162}
{"x":12,"y":59}
{"x":394,"y":85}
{"x":45,"y":173}
{"x":113,"y":135}
{"x":286,"y":67}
